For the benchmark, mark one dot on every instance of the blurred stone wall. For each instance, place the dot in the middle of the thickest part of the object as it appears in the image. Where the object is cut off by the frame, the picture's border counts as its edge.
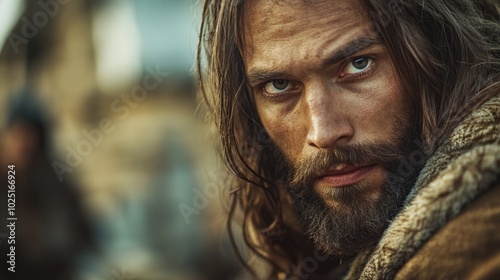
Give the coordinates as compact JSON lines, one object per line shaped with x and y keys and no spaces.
{"x":116,"y":146}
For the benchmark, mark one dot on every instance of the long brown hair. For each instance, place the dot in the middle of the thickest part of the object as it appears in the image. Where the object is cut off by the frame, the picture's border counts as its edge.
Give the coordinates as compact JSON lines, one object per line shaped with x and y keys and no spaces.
{"x":445,"y":52}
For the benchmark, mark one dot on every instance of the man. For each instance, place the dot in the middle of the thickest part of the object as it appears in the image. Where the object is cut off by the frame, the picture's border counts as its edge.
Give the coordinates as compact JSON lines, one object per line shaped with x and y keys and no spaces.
{"x":52,"y":231}
{"x":365,"y":135}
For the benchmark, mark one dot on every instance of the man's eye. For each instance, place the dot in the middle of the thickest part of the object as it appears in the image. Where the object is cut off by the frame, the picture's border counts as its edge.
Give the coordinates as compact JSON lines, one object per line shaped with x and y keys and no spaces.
{"x":277,"y":86}
{"x":357,"y":65}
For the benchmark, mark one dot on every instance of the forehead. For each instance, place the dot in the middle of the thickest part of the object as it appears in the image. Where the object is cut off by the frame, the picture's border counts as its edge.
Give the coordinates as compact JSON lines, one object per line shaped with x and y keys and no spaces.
{"x":300,"y":28}
{"x":262,"y":13}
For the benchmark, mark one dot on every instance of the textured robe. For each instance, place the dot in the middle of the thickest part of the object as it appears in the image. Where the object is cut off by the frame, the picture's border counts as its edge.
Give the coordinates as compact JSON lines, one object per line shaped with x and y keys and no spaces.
{"x":449,"y":227}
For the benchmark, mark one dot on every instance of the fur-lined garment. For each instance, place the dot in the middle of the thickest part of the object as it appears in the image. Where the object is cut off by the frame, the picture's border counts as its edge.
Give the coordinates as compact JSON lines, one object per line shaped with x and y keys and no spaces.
{"x":449,"y":227}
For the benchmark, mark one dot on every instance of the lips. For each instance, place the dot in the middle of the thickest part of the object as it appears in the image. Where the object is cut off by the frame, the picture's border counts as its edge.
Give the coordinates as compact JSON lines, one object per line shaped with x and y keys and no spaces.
{"x":342,"y":176}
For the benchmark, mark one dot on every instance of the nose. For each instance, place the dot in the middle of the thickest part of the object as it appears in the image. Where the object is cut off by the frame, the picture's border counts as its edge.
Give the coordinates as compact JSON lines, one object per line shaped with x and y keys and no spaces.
{"x":328,"y":121}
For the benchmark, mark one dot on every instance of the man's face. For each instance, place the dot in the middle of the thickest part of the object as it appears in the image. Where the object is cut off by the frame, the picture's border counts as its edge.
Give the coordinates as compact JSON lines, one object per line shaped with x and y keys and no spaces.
{"x":327,"y":94}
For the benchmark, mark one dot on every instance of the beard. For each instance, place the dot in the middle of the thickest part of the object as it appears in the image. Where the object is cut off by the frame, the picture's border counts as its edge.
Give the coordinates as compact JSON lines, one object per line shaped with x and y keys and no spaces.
{"x":343,"y":221}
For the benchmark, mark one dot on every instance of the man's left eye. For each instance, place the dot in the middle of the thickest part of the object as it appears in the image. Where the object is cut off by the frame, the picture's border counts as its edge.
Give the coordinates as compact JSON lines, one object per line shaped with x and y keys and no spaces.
{"x":357,"y":65}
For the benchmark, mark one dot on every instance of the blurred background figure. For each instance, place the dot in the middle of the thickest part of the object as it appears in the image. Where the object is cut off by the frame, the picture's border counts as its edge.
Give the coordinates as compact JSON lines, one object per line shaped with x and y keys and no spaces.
{"x":52,"y":230}
{"x":127,"y":164}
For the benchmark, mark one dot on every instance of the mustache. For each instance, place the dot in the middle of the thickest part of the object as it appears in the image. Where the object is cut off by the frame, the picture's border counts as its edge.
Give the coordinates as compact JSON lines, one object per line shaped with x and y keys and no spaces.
{"x":305,"y":170}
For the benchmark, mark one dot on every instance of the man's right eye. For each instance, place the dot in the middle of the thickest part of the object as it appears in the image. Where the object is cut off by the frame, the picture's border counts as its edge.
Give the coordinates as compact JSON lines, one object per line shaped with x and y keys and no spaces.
{"x":276,"y":87}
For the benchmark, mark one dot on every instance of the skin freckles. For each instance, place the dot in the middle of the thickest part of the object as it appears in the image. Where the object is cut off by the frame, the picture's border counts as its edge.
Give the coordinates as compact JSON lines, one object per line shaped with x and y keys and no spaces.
{"x":309,"y":91}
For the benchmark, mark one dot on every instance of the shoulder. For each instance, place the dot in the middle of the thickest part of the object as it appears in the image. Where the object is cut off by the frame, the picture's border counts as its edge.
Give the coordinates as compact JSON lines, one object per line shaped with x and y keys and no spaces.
{"x":467,"y":247}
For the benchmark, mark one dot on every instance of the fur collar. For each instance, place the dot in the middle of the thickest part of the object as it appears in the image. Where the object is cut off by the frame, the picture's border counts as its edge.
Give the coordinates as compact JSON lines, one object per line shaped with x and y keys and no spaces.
{"x":461,"y":169}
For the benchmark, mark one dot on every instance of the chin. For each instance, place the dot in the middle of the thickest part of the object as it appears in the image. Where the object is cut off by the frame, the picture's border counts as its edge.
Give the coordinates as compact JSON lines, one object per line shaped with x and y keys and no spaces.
{"x":344,"y":221}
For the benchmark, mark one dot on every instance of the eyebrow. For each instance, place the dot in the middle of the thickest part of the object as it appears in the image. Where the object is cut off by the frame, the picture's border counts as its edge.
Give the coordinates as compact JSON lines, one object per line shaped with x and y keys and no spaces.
{"x":352,"y":48}
{"x":344,"y":52}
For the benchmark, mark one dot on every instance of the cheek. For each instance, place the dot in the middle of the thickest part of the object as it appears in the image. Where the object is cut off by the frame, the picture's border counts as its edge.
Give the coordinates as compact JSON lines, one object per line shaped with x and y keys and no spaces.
{"x":284,"y":128}
{"x":394,"y":106}
{"x":379,"y":115}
